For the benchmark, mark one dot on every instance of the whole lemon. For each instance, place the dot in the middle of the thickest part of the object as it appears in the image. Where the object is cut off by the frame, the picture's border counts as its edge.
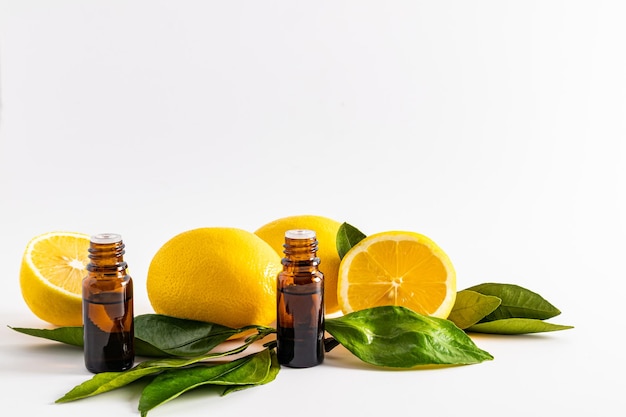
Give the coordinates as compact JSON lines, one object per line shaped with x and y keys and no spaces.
{"x":216,"y":274}
{"x":326,"y":230}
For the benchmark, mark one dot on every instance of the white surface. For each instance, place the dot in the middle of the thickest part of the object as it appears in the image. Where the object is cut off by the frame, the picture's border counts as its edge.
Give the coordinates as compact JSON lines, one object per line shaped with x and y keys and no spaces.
{"x":497,"y":128}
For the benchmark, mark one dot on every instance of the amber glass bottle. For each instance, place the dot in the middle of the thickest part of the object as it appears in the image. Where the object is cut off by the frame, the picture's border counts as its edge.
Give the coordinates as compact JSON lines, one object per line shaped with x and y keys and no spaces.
{"x":108,"y":307}
{"x":300,"y":302}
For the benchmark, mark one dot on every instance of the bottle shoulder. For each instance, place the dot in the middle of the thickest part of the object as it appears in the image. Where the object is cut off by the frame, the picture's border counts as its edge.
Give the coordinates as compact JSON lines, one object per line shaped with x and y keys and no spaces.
{"x":287,"y":277}
{"x":95,"y":280}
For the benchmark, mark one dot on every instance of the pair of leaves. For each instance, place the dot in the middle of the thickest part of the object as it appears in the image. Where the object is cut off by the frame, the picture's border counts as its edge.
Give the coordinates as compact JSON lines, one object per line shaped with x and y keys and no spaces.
{"x":157,"y":335}
{"x":108,"y":381}
{"x":252,"y":370}
{"x":177,"y":375}
{"x":395,"y":336}
{"x":503,"y":309}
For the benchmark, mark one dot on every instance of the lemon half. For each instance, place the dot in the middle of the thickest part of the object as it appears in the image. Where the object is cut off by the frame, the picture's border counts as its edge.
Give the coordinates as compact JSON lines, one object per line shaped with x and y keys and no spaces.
{"x":53,"y":267}
{"x":397,"y":268}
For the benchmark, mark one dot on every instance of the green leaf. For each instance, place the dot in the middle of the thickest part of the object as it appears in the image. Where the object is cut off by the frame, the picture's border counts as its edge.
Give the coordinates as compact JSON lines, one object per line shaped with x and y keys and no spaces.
{"x":470,"y":307}
{"x":347,"y":237}
{"x":516,"y":326}
{"x":158,"y":335}
{"x":72,"y":335}
{"x":271,"y":375}
{"x":252,"y":369}
{"x":181,"y":337}
{"x":108,"y":381}
{"x":395,"y":336}
{"x":517,"y":302}
{"x":143,"y":348}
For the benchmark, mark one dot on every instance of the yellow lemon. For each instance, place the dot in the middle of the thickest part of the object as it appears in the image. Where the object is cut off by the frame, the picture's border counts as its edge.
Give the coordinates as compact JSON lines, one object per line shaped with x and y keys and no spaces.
{"x":216,"y":274}
{"x":326,"y":231}
{"x":53,"y":267}
{"x":397,"y":268}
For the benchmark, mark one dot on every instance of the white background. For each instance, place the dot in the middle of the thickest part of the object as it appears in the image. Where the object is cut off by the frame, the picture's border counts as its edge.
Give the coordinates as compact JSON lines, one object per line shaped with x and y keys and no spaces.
{"x":497,"y":128}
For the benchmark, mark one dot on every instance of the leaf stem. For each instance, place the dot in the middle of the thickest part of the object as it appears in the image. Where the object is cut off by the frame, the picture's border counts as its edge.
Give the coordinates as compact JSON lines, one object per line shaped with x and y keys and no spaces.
{"x":330,"y":343}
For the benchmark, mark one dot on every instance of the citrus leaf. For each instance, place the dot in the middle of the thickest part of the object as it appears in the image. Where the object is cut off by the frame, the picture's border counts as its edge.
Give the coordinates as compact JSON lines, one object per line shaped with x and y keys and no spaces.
{"x":470,"y":307}
{"x":157,"y":335}
{"x":516,"y":326}
{"x":517,"y":302}
{"x":271,"y":375}
{"x":396,"y":336}
{"x":108,"y":381}
{"x":182,"y":337}
{"x":71,"y":335}
{"x":347,"y":237}
{"x":143,"y":348}
{"x":252,"y":369}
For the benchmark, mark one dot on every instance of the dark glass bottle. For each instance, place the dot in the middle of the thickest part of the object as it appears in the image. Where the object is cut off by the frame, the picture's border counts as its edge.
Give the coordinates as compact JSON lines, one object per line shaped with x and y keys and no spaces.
{"x":108,"y":307}
{"x":300,"y":302}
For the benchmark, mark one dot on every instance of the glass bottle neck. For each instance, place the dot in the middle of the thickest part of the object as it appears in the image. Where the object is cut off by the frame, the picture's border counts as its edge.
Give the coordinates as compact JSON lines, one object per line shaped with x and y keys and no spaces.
{"x":106,"y":256}
{"x":302,"y":252}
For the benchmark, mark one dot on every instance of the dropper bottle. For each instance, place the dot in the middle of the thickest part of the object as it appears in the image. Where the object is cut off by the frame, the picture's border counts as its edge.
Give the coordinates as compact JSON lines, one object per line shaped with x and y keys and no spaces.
{"x":108,"y":307}
{"x":300,"y":302}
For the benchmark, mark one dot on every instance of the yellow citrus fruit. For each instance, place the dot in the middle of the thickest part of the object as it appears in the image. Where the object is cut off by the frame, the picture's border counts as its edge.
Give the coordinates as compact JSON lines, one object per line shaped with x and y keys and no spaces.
{"x":216,"y":274}
{"x":326,"y":231}
{"x":397,"y":268}
{"x":52,"y":271}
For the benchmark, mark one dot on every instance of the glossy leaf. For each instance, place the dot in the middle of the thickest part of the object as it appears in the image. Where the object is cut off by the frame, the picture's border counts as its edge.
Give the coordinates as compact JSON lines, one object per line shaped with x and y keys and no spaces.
{"x":347,"y":237}
{"x":517,"y":302}
{"x":271,"y":375}
{"x":158,"y":335}
{"x":72,"y":335}
{"x":252,"y":369}
{"x":181,"y":337}
{"x":470,"y":307}
{"x":143,"y":348}
{"x":516,"y":326}
{"x":395,"y":336}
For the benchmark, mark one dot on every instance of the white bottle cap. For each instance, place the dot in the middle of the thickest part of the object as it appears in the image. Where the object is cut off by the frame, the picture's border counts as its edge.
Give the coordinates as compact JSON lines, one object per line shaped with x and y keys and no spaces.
{"x":300,"y":234}
{"x":106,"y":238}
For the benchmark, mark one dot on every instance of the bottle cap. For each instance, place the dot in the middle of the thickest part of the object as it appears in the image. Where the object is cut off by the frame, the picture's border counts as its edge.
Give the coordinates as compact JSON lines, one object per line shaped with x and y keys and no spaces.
{"x":300,"y":234}
{"x":106,"y":238}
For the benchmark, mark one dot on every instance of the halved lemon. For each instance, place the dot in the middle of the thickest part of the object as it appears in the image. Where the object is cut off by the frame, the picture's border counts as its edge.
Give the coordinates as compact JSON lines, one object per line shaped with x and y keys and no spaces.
{"x":397,"y":268}
{"x":53,"y":267}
